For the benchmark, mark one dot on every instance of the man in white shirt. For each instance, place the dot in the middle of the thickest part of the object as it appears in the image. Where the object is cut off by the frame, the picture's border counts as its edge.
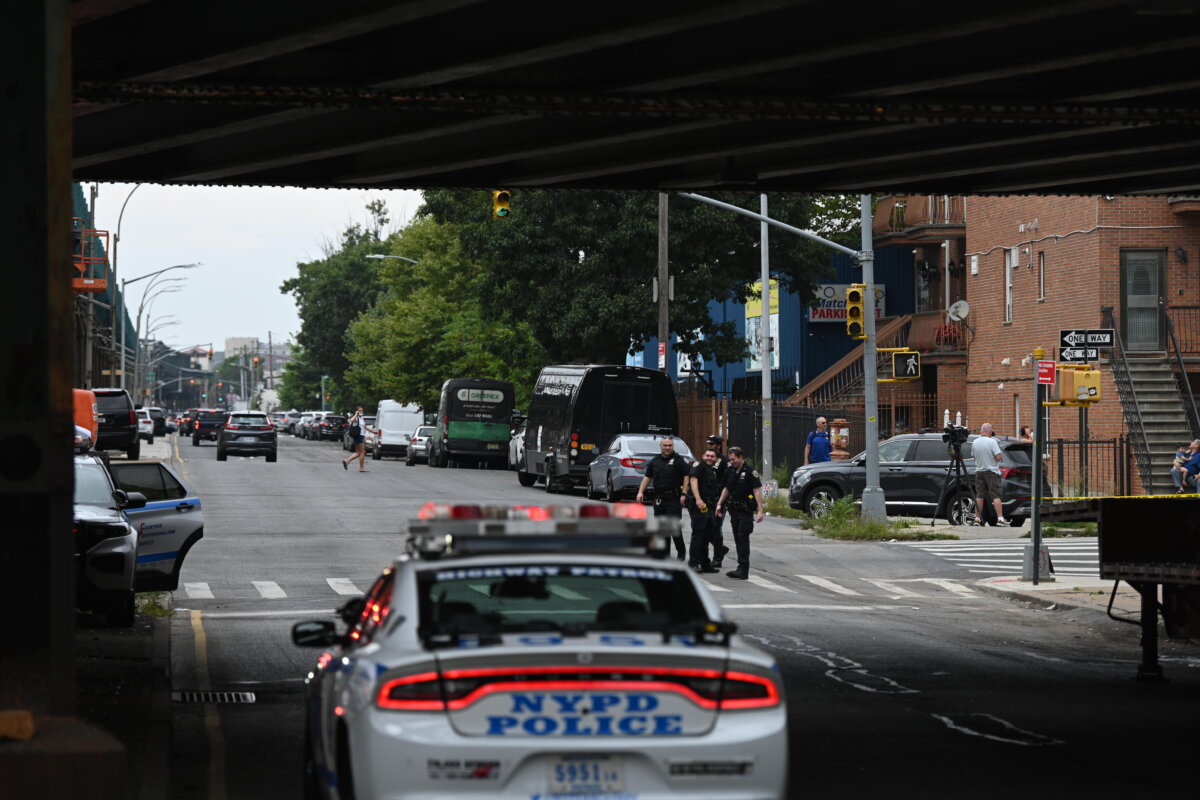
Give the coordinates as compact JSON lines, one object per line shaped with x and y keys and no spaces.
{"x":987,"y":473}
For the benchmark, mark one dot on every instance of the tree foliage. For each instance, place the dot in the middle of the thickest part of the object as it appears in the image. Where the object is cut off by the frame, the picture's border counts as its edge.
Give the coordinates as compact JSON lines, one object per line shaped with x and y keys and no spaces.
{"x":576,"y":267}
{"x":429,"y":324}
{"x":300,"y":384}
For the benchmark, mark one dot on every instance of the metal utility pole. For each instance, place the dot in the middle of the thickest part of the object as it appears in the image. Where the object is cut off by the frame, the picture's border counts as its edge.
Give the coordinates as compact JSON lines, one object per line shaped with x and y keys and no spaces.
{"x":873,"y":505}
{"x":664,"y":363}
{"x":270,"y":362}
{"x":765,"y":345}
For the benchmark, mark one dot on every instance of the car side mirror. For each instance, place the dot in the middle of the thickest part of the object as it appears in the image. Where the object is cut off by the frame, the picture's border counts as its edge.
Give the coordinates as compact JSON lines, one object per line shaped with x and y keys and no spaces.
{"x":127,"y":500}
{"x":315,"y":633}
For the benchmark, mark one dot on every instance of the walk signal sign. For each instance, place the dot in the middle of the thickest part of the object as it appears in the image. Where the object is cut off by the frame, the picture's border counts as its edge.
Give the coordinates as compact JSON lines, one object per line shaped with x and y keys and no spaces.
{"x":500,"y":207}
{"x":906,"y":365}
{"x":856,"y":326}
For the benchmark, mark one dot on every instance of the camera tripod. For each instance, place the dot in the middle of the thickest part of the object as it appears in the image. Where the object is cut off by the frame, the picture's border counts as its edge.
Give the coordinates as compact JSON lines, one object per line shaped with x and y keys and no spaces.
{"x":955,"y":481}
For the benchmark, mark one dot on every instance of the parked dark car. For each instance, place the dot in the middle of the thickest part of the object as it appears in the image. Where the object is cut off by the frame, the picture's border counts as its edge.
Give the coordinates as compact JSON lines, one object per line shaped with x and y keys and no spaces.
{"x":329,"y":426}
{"x":117,"y":428}
{"x":913,"y":470}
{"x":247,"y":433}
{"x":207,"y":424}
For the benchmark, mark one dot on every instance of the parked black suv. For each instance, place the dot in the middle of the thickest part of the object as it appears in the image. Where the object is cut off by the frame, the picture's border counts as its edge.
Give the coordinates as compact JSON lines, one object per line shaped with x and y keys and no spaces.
{"x":913,"y":469}
{"x":118,"y":426}
{"x":247,"y":433}
{"x":207,"y":424}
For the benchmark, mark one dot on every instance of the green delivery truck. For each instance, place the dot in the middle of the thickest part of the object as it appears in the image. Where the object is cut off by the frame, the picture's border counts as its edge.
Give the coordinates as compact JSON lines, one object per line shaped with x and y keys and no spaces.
{"x":474,"y":422}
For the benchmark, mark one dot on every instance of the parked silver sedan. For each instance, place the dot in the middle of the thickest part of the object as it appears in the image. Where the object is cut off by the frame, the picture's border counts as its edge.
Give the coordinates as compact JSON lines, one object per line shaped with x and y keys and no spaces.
{"x":616,"y":472}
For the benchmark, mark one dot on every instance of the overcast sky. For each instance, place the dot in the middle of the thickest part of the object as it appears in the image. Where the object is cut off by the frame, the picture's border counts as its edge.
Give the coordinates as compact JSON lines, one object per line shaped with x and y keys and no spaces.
{"x":248,"y":241}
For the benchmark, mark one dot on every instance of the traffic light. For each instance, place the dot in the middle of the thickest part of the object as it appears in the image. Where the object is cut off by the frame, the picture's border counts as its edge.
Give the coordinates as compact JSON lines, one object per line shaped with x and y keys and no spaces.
{"x":220,"y":384}
{"x":210,"y":352}
{"x":856,"y":324}
{"x":256,"y":361}
{"x":500,"y":207}
{"x":204,"y":395}
{"x":191,"y":381}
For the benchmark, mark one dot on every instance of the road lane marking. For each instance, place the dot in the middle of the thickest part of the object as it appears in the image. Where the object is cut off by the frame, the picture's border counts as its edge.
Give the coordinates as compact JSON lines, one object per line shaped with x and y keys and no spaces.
{"x":198,"y":591}
{"x":269,"y":589}
{"x":296,"y":612}
{"x":712,"y":587}
{"x":806,"y":606}
{"x":343,"y":586}
{"x":825,"y":583}
{"x":766,"y":584}
{"x":1006,"y":732}
{"x":840,"y":668}
{"x":951,"y":586}
{"x":212,"y":718}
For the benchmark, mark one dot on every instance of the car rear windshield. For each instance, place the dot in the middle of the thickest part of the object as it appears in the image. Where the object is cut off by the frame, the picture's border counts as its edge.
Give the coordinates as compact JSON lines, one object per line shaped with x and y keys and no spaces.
{"x":249,"y":419}
{"x":333,"y":418}
{"x":212,"y":415}
{"x":110,"y":403}
{"x":561,"y":597}
{"x":1018,"y":455}
{"x":425,"y":430}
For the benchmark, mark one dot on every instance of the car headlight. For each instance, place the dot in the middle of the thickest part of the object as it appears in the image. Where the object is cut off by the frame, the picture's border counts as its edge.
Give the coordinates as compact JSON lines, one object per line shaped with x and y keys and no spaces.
{"x":801,"y":477}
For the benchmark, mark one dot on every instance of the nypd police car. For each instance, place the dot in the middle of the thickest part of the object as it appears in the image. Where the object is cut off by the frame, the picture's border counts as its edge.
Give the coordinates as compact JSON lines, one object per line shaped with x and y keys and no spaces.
{"x":528,"y":653}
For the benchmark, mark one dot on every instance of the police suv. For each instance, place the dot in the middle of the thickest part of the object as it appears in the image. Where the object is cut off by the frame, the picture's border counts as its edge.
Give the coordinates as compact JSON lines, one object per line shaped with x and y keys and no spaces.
{"x":533,"y":653}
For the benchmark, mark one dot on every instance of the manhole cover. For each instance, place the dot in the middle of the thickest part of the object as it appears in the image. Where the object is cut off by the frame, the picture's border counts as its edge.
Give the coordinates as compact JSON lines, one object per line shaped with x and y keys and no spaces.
{"x":212,"y":697}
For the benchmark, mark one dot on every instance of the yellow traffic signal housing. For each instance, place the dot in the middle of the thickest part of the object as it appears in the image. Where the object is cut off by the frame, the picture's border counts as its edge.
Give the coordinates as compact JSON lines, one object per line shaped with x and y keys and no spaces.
{"x":1075,"y":386}
{"x":856,"y":325}
{"x":500,"y":208}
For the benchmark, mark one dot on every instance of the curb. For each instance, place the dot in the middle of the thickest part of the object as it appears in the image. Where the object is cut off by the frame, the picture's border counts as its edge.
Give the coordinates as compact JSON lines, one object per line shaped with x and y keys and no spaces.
{"x":156,"y":777}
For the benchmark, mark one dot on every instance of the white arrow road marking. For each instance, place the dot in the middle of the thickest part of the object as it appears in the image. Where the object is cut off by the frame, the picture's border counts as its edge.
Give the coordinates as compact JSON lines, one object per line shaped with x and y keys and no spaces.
{"x":198,"y":591}
{"x":269,"y":589}
{"x":825,"y":583}
{"x":343,"y":586}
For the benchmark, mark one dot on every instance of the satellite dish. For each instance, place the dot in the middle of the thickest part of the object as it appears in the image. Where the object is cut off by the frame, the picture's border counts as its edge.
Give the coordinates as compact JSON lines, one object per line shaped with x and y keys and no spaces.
{"x":958,"y":311}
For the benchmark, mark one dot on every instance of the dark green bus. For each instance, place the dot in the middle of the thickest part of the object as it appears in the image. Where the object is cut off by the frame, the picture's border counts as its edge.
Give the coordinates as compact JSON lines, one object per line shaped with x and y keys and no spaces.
{"x":474,"y":421}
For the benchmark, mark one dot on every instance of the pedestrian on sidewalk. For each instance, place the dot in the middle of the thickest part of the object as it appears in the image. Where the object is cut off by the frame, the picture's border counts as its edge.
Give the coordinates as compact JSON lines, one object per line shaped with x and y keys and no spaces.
{"x":669,"y":472}
{"x":706,"y":491}
{"x":986,"y":452}
{"x":742,"y":493}
{"x":816,"y":447}
{"x":358,"y":430}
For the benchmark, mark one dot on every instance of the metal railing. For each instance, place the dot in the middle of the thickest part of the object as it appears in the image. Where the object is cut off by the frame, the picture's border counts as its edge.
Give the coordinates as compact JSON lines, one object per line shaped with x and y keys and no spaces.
{"x":1129,"y":403}
{"x":1181,"y":377}
{"x":847,"y":373}
{"x":1188,"y":331}
{"x":1091,"y":468}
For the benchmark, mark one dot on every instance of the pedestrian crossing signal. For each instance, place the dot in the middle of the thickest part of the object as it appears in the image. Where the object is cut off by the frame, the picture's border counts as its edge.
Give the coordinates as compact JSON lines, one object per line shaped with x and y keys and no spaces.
{"x":856,"y":296}
{"x":500,"y":208}
{"x":906,"y":366}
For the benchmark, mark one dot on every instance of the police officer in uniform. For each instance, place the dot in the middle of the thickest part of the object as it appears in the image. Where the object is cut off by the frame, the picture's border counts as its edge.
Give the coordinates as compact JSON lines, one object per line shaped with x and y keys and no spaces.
{"x":722,"y":465}
{"x":705,"y":491}
{"x":740,"y":496}
{"x":669,"y":473}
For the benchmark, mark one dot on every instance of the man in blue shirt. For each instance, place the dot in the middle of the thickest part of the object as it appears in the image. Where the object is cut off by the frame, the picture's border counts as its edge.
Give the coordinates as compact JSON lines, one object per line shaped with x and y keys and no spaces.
{"x":816,"y":446}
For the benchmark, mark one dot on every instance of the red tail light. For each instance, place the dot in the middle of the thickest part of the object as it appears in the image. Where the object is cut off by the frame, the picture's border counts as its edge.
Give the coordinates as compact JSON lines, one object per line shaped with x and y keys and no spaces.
{"x":229,"y":426}
{"x":421,"y":692}
{"x":593,"y":510}
{"x":636,"y":463}
{"x":132,"y":417}
{"x":466,"y":512}
{"x":1008,"y":471}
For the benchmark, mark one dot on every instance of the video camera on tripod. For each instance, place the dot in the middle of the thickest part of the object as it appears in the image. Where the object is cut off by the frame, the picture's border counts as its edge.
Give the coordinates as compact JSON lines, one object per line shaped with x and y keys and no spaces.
{"x":955,"y":436}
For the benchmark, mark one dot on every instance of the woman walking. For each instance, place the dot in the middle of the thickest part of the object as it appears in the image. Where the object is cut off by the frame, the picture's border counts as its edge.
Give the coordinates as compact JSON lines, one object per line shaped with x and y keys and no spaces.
{"x":358,"y":431}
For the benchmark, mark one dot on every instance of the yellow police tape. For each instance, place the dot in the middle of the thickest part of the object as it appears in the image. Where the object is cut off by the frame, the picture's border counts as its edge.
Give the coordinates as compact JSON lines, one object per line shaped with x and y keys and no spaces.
{"x":1124,"y":497}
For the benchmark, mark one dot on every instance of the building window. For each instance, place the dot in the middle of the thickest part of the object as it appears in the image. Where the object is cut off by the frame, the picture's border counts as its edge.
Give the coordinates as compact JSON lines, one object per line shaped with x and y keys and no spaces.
{"x":1041,"y":275}
{"x":1011,"y":257}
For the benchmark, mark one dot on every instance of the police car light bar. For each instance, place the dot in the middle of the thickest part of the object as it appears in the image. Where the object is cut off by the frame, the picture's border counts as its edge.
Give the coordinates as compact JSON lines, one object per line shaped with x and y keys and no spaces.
{"x":447,"y":531}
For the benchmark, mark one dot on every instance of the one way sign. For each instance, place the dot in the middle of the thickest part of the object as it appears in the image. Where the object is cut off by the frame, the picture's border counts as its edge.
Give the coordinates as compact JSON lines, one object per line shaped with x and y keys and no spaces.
{"x":1083,"y":337}
{"x":906,"y":365}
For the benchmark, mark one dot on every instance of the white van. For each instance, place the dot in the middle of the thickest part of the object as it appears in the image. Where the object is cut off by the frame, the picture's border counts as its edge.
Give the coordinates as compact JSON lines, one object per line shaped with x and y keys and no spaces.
{"x":395,"y":423}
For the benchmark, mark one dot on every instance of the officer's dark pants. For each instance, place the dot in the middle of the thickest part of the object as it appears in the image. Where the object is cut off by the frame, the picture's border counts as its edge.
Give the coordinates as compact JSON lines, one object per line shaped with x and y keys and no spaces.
{"x":671,"y":508}
{"x":742,"y":523}
{"x":703,"y":527}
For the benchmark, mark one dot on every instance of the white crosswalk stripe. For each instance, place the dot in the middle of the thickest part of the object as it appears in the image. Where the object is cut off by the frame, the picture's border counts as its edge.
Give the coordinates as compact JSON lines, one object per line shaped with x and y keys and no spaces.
{"x":766,"y":584}
{"x":198,"y":591}
{"x":1079,"y":557}
{"x":269,"y":589}
{"x":343,"y":586}
{"x":825,"y":583}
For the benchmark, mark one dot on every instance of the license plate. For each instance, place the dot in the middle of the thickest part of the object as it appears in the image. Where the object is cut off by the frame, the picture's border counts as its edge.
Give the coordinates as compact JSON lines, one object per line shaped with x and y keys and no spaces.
{"x":586,"y":775}
{"x":493,"y":446}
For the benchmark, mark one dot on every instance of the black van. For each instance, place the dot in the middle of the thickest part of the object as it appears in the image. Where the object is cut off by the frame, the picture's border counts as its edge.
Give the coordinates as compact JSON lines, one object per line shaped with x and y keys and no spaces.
{"x":474,"y":423}
{"x":577,"y":409}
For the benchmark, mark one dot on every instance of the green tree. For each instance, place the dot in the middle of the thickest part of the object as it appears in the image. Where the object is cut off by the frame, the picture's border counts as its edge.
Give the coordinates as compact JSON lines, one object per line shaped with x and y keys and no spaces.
{"x":576,"y":267}
{"x":428,"y":325}
{"x":332,"y":291}
{"x":300,"y":384}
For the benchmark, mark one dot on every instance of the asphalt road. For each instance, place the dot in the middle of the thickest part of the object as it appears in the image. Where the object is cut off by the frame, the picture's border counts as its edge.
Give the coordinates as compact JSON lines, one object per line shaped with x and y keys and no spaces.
{"x":903,"y":680}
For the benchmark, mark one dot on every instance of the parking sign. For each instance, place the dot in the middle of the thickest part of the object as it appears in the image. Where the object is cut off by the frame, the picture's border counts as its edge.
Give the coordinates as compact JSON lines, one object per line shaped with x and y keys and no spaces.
{"x":1046,"y":372}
